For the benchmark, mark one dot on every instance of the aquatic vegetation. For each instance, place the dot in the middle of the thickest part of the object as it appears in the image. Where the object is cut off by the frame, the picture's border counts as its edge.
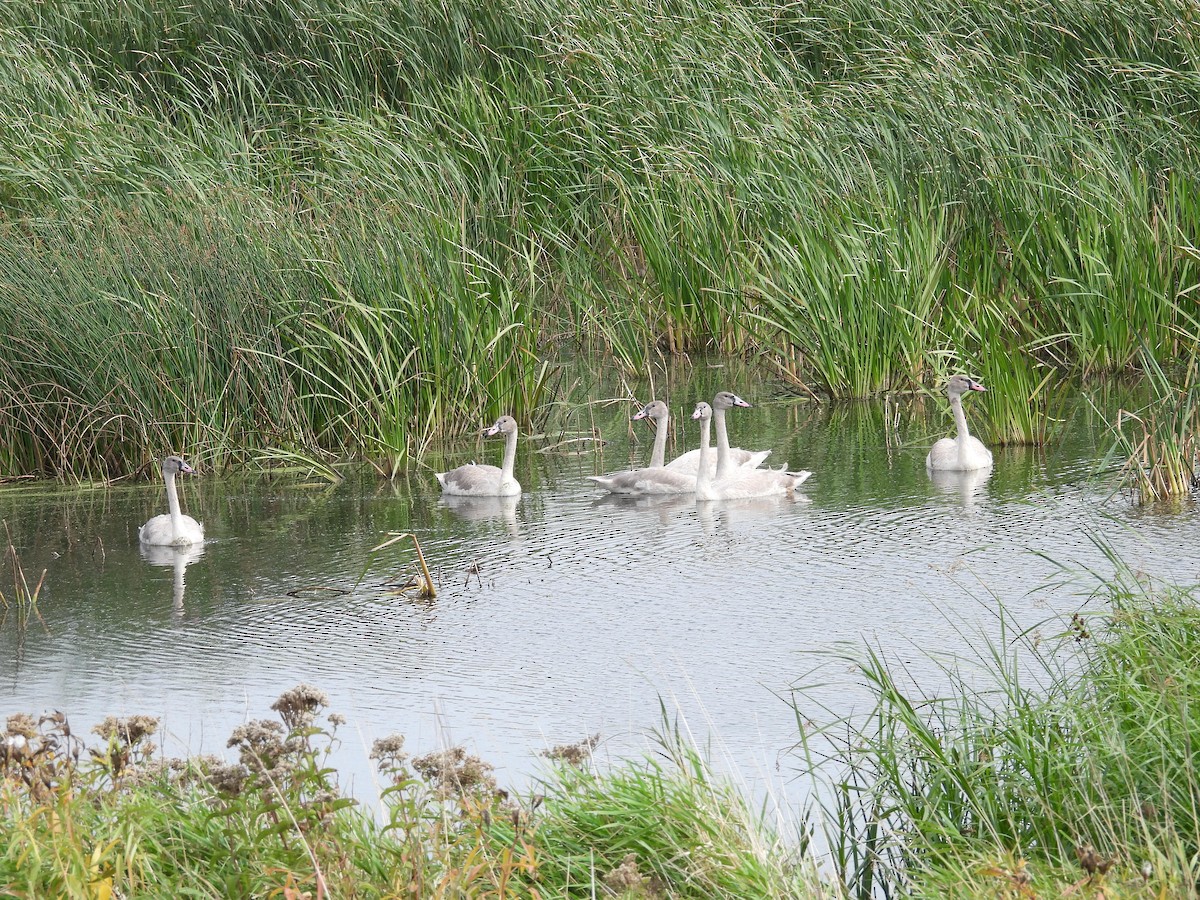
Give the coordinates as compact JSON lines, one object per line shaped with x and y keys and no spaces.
{"x":295,"y":229}
{"x":1160,"y":443}
{"x":1068,"y":762}
{"x":22,"y":601}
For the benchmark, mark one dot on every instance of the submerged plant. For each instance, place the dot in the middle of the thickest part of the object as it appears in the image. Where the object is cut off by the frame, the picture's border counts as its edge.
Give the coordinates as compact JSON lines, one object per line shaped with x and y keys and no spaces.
{"x":23,"y":600}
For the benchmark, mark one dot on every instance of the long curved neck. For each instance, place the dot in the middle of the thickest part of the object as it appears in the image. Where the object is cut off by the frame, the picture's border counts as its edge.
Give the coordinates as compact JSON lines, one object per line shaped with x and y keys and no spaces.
{"x":703,"y":478}
{"x":722,"y":443}
{"x":510,"y":457}
{"x":960,"y":419}
{"x":173,"y":504}
{"x":658,"y":455}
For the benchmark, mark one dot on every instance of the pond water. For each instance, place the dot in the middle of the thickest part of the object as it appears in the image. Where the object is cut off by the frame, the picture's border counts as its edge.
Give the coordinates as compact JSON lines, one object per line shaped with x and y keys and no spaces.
{"x":568,"y":612}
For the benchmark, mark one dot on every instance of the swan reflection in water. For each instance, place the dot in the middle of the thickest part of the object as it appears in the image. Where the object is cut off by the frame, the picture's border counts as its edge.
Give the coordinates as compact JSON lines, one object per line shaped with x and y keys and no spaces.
{"x":667,"y":506}
{"x":968,"y":487}
{"x":483,"y":509}
{"x":177,"y":558}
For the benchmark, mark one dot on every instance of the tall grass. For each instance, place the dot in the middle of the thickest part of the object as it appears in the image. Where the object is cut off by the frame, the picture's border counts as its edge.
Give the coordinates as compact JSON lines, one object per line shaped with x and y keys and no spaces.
{"x":1055,"y":763}
{"x":1160,"y":443}
{"x":380,"y":208}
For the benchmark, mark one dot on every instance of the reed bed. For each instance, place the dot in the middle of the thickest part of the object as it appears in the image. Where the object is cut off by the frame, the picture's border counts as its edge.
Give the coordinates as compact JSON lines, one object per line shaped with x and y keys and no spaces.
{"x":1160,"y":443}
{"x":373,"y":222}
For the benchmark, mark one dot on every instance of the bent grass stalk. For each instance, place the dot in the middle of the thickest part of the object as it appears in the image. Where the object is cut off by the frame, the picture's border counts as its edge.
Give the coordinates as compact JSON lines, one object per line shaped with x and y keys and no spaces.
{"x":425,"y":587}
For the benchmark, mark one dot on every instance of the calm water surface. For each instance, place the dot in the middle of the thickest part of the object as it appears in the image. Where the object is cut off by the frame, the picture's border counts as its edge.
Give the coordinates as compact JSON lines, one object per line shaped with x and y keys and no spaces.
{"x":567,"y":612}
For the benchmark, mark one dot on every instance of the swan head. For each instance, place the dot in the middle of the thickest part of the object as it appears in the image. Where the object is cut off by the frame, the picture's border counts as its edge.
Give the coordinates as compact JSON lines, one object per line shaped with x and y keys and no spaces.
{"x":503,"y":425}
{"x":174,"y":465}
{"x":655,"y":409}
{"x":728,"y":400}
{"x":703,"y":411}
{"x":961,"y":384}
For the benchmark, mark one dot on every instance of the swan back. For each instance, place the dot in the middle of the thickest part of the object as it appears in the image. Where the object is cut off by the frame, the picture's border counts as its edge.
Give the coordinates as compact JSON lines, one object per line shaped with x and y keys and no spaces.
{"x":646,"y":482}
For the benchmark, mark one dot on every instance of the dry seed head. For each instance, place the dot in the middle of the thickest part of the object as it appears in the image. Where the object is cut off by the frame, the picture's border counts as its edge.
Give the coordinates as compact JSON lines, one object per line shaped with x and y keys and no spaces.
{"x":298,"y":707}
{"x":22,"y":724}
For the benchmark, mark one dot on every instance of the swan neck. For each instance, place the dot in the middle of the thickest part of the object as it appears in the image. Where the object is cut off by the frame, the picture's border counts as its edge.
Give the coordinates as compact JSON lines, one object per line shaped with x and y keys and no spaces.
{"x":703,"y":478}
{"x":960,"y":419}
{"x":510,"y":457}
{"x":173,"y":504}
{"x":658,"y":455}
{"x":722,"y":443}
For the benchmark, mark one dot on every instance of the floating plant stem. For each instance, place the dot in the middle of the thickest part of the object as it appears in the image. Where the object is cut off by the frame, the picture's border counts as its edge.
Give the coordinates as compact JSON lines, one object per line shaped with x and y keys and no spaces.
{"x":425,"y":588}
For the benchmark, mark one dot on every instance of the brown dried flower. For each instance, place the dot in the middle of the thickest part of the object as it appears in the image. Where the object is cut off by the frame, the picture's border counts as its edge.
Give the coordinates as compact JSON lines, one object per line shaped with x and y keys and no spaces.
{"x":298,"y":707}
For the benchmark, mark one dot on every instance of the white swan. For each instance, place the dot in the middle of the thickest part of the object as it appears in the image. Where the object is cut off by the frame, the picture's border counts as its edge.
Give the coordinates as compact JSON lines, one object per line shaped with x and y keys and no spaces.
{"x":172,"y":528}
{"x":963,"y":453}
{"x":655,"y":479}
{"x":656,"y":410}
{"x":739,"y":483}
{"x":734,"y":457}
{"x":487,"y":481}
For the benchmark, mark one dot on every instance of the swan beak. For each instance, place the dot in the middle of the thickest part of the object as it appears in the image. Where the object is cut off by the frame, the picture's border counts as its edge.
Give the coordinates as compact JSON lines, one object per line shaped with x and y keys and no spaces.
{"x":738,"y":401}
{"x":492,"y":430}
{"x":186,"y":469}
{"x":976,"y":386}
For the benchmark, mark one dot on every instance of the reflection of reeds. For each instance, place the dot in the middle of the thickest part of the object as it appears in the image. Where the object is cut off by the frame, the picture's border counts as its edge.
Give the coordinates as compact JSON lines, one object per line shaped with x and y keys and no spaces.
{"x":1161,"y":442}
{"x":24,"y":599}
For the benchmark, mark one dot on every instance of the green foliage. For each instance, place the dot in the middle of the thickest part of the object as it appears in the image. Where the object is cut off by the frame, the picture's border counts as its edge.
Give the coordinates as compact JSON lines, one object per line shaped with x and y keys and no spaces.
{"x":1056,"y":763}
{"x":354,"y":227}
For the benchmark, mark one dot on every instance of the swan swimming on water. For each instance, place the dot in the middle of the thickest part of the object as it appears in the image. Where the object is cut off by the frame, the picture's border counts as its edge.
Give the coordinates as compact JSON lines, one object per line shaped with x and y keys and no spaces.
{"x":740,"y":483}
{"x":487,"y":481}
{"x":654,"y":479}
{"x":965,"y":452}
{"x":172,"y":528}
{"x":734,"y":457}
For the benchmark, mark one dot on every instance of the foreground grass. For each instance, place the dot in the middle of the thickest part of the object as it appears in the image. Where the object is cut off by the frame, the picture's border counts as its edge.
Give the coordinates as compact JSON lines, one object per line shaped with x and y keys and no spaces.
{"x":354,"y":228}
{"x":116,"y":821}
{"x":1057,"y":772}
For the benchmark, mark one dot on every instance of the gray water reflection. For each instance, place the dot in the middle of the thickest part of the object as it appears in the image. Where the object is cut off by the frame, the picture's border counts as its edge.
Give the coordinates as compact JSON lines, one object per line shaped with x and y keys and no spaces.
{"x":567,"y":611}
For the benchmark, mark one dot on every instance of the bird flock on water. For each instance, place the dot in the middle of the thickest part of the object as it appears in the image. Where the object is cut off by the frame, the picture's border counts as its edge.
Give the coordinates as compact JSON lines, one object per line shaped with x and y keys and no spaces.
{"x":726,"y":473}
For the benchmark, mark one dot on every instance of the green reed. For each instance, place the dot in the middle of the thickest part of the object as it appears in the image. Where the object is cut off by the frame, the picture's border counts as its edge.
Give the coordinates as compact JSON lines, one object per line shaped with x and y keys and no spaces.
{"x":1160,"y":443}
{"x":819,"y":190}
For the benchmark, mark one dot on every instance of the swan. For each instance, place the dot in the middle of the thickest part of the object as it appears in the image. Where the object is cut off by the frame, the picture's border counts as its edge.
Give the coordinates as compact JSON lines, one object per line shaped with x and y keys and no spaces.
{"x":741,"y":483}
{"x":963,"y":453}
{"x":655,"y":479}
{"x":487,"y":481}
{"x":734,"y":457}
{"x":172,"y":528}
{"x":656,"y":410}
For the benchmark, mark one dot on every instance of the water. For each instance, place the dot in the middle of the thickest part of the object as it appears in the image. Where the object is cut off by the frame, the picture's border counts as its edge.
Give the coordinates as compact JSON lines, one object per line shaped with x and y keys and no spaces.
{"x":568,"y":612}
